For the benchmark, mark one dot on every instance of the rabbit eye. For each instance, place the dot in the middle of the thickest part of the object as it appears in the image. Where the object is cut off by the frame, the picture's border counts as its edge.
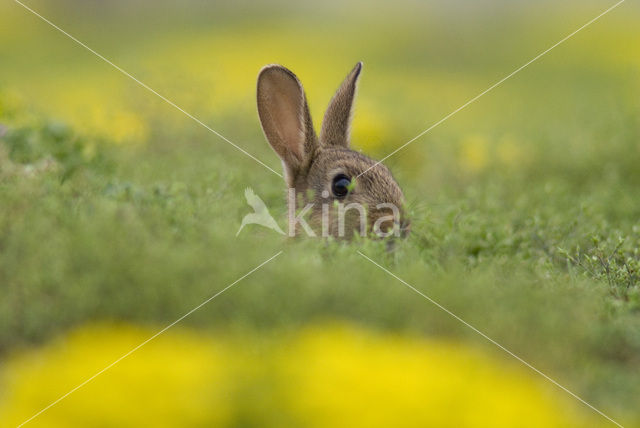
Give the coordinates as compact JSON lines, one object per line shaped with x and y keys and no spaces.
{"x":341,"y":185}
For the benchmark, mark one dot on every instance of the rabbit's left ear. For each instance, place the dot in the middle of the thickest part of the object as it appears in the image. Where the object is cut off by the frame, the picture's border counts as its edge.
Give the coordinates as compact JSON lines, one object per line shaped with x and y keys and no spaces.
{"x":336,"y":124}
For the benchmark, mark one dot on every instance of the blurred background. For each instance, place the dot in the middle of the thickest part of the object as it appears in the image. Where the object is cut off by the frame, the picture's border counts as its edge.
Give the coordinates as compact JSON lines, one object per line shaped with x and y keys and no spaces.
{"x":118,"y":215}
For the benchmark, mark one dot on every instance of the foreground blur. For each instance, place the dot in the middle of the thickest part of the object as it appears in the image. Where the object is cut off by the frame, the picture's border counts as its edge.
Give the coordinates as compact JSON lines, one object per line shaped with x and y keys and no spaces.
{"x":326,"y":376}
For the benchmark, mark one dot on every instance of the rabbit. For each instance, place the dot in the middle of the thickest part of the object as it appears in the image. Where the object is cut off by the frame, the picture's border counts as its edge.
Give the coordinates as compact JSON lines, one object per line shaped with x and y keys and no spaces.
{"x":323,"y":174}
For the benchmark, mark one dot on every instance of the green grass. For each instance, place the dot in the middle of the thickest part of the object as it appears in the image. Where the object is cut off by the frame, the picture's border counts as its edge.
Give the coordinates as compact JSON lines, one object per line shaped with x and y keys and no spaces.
{"x":539,"y":249}
{"x":547,"y":266}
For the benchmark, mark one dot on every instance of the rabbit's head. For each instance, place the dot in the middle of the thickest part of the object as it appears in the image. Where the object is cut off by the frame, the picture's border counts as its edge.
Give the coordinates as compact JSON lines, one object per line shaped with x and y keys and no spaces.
{"x":324,"y":173}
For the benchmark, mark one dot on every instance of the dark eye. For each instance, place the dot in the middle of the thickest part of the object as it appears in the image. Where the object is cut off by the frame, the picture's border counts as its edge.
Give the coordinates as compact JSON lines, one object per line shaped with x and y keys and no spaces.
{"x":341,"y":185}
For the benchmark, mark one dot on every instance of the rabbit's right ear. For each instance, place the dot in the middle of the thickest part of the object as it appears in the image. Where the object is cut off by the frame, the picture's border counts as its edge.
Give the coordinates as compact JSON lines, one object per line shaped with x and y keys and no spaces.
{"x":285,"y":118}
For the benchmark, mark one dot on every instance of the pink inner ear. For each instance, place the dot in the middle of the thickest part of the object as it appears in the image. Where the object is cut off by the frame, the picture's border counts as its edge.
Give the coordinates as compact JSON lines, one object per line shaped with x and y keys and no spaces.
{"x":288,"y":119}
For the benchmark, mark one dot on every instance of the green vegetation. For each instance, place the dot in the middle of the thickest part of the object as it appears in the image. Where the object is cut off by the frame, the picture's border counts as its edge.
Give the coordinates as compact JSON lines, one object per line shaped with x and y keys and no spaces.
{"x":525,"y":205}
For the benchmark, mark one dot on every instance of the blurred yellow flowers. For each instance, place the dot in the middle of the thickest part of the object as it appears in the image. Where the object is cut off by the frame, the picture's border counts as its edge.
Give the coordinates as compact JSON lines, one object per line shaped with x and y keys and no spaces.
{"x":329,"y":375}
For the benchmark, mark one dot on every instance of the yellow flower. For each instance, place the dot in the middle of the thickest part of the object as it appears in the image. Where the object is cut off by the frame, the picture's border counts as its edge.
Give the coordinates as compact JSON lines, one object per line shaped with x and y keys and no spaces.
{"x":371,"y":129}
{"x":330,"y":375}
{"x":474,"y":156}
{"x":341,"y":377}
{"x":176,"y":380}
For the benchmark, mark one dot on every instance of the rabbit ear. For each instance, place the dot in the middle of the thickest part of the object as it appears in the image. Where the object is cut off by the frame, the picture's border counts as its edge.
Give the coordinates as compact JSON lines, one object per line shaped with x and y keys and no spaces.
{"x":285,"y":118}
{"x":337,"y":119}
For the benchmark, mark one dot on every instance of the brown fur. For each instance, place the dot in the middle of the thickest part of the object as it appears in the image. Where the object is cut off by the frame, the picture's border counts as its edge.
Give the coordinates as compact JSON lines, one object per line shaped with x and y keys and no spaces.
{"x":310,"y":164}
